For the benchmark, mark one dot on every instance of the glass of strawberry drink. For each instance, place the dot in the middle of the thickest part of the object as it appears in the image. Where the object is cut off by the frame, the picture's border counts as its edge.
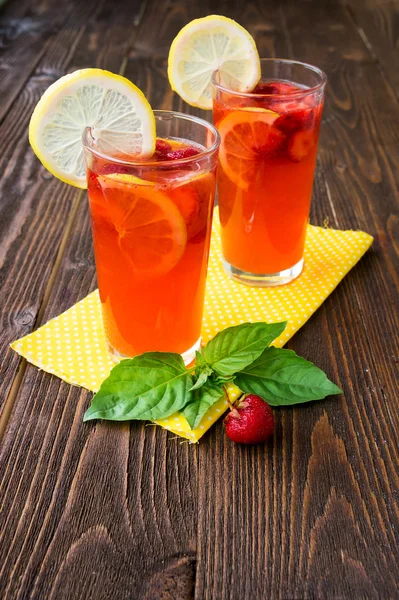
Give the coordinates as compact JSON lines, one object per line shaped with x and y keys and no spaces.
{"x":151,"y":223}
{"x":267,"y":159}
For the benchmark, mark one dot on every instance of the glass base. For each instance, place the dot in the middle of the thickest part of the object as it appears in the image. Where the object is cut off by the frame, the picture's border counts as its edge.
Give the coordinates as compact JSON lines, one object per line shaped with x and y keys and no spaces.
{"x":263,"y":280}
{"x":188,"y":356}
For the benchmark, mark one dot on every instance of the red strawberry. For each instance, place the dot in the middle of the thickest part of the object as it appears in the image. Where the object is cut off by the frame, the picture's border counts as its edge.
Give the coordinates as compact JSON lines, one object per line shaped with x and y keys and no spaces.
{"x":301,"y":144}
{"x":92,"y":180}
{"x":193,"y":201}
{"x":187,"y":201}
{"x":293,"y":120}
{"x":273,"y":142}
{"x":275,"y":87}
{"x":251,"y":422}
{"x":181,"y":153}
{"x":162,"y":147}
{"x":113,"y":168}
{"x":266,"y":88}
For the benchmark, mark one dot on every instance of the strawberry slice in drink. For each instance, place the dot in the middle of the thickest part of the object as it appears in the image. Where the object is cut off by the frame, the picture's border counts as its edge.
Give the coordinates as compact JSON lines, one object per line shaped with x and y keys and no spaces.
{"x":273,"y":142}
{"x":248,"y":136}
{"x":182,"y":153}
{"x":293,"y":120}
{"x":296,"y":112}
{"x":192,"y":198}
{"x":300,"y":144}
{"x":275,"y":88}
{"x":162,"y":147}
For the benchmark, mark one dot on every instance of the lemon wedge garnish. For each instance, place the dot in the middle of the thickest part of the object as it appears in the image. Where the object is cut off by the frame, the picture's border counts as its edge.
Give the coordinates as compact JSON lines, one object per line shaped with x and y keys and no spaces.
{"x":207,"y":45}
{"x":121,"y":119}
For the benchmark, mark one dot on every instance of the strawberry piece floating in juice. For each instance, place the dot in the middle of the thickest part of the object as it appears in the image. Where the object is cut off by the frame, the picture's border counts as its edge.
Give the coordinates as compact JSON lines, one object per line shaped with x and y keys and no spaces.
{"x":182,"y":153}
{"x":300,"y":144}
{"x":273,"y":143}
{"x":162,"y":147}
{"x":111,"y":168}
{"x":291,"y":121}
{"x":275,"y":88}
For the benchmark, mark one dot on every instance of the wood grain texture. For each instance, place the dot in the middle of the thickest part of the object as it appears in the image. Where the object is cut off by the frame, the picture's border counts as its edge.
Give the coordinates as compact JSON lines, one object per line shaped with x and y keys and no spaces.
{"x":314,"y":516}
{"x":34,"y":205}
{"x":378,"y":25}
{"x":115,"y":513}
{"x":123,"y":498}
{"x":34,"y":208}
{"x":359,"y":156}
{"x":99,"y":511}
{"x":32,"y":38}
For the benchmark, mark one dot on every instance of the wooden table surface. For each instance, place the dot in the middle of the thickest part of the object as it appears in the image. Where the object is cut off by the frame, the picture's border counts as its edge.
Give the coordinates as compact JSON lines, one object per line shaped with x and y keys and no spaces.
{"x":98,"y":511}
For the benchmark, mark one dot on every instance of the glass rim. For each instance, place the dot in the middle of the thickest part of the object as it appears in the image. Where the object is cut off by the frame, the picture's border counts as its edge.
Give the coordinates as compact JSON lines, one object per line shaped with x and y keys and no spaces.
{"x":310,"y":90}
{"x":87,"y":141}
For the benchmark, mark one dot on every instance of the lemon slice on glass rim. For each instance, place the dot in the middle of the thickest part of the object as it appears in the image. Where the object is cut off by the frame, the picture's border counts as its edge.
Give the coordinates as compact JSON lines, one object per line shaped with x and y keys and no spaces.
{"x":120,"y":116}
{"x":210,"y":44}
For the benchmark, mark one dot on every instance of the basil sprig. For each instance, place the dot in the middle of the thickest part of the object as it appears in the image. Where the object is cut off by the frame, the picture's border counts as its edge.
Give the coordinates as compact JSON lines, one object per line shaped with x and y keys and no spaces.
{"x":155,"y":385}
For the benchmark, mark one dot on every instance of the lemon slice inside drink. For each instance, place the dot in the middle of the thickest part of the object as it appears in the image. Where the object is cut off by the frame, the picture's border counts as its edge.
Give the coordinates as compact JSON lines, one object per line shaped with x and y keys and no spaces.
{"x":210,"y":44}
{"x":150,"y":229}
{"x":246,"y":134}
{"x":126,"y":179}
{"x":120,"y":117}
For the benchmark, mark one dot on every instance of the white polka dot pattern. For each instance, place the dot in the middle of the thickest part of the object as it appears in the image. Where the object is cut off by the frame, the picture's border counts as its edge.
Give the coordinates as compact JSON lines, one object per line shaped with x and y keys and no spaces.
{"x":73,"y":347}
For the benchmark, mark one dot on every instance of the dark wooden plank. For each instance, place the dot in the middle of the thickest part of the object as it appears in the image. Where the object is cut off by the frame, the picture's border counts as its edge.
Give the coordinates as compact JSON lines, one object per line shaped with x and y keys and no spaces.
{"x":378,"y":23}
{"x":99,"y":513}
{"x":35,"y":207}
{"x":313,"y":514}
{"x":113,"y":511}
{"x":151,"y":51}
{"x":102,"y":510}
{"x":34,"y":210}
{"x":359,"y":156}
{"x":24,"y":38}
{"x":167,"y":19}
{"x":23,"y":9}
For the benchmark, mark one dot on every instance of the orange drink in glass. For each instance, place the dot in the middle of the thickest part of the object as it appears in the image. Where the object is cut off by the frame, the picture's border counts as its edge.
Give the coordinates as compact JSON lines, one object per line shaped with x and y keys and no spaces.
{"x":267,"y":159}
{"x":151,"y":223}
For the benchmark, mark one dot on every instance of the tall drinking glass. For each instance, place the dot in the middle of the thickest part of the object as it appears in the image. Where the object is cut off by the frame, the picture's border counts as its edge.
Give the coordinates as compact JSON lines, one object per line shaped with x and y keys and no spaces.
{"x":267,"y":159}
{"x":151,"y":224}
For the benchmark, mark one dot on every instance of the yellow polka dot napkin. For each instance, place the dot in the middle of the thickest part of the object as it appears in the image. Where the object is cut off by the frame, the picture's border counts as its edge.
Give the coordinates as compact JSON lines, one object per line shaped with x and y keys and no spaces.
{"x":73,"y":347}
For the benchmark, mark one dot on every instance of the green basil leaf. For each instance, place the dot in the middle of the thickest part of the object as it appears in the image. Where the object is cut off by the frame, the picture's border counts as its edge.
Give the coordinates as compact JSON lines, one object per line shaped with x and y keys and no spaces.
{"x":151,"y":386}
{"x":234,"y":348}
{"x":199,"y":359}
{"x":202,"y":378}
{"x":220,"y":380}
{"x":202,"y":400}
{"x":282,"y":378}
